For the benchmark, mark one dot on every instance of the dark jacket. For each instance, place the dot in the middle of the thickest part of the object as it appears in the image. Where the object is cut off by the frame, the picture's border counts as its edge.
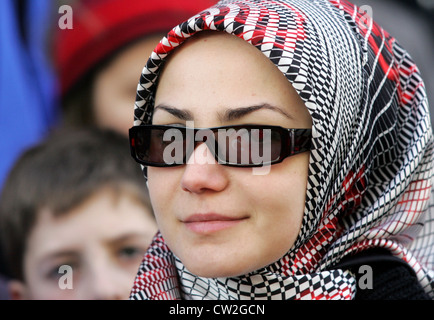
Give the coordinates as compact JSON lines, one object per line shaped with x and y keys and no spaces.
{"x":392,"y":278}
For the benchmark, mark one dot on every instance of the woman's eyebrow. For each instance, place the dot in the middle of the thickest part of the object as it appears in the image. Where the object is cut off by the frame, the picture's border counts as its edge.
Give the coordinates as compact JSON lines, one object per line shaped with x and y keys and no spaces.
{"x":237,"y":113}
{"x":180,"y":114}
{"x":228,"y":115}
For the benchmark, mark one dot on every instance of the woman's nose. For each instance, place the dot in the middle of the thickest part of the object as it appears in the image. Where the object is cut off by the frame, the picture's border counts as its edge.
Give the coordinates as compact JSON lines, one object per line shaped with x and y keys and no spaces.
{"x":202,"y":172}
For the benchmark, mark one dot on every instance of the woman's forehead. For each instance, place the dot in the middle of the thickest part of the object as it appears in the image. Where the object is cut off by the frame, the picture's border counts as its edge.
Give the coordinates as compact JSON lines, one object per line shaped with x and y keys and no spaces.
{"x":217,"y":72}
{"x":217,"y":49}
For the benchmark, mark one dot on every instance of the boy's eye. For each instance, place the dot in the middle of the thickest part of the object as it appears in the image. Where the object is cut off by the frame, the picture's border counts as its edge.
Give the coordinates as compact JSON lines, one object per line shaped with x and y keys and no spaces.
{"x":130,"y":252}
{"x":56,"y":272}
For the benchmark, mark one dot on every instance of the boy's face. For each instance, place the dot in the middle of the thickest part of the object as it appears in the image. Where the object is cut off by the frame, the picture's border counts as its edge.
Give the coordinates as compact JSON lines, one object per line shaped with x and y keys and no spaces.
{"x":91,"y":252}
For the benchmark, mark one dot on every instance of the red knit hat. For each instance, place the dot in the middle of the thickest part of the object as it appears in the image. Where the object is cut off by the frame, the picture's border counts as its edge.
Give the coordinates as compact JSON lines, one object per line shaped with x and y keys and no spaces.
{"x":101,"y":27}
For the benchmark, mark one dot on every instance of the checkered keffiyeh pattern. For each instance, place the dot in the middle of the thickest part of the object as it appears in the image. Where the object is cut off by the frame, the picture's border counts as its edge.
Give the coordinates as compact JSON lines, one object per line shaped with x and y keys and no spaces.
{"x":371,"y":162}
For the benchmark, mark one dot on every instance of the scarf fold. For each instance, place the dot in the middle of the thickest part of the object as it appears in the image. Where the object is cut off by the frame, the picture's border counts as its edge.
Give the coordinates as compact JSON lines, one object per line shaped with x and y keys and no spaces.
{"x":371,"y":162}
{"x":164,"y":277}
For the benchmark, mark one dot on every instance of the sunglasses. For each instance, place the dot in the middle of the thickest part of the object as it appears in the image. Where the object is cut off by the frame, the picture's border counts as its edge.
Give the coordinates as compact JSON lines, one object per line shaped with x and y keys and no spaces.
{"x":238,"y":146}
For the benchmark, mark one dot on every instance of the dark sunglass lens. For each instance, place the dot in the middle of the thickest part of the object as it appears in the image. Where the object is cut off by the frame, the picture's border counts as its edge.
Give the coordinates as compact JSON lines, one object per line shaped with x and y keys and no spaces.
{"x":168,"y":146}
{"x":265,"y":145}
{"x":276,"y":144}
{"x":156,"y":145}
{"x":141,"y":144}
{"x":248,"y":146}
{"x":233,"y":145}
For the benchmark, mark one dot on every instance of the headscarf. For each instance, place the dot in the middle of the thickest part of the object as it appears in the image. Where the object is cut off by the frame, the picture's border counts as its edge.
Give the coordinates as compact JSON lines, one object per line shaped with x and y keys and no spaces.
{"x":371,"y":162}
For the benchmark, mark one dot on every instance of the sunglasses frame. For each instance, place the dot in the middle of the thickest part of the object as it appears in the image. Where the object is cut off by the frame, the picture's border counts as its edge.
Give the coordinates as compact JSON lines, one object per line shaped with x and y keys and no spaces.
{"x":293,"y":141}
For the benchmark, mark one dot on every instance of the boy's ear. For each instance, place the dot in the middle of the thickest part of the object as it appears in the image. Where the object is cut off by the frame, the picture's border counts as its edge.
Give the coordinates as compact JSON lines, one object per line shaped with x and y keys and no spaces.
{"x":17,"y":290}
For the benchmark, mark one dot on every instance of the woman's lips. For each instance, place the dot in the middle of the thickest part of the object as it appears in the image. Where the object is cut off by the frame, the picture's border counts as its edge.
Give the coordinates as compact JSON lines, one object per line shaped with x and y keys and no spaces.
{"x":211,"y":222}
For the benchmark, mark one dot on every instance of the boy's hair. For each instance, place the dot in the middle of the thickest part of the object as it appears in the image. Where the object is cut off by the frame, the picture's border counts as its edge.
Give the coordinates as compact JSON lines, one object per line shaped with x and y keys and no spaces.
{"x":59,"y":174}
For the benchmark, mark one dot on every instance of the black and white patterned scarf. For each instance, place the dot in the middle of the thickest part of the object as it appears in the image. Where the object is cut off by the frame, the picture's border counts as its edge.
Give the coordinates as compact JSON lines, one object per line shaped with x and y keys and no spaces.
{"x":371,"y":162}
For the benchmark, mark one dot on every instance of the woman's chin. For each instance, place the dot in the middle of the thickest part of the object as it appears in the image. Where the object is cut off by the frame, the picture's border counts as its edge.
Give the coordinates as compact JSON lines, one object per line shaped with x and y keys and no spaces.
{"x":216,"y":270}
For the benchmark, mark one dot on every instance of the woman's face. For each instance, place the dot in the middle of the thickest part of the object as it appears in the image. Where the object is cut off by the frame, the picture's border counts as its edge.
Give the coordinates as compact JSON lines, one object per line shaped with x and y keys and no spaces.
{"x":219,"y":220}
